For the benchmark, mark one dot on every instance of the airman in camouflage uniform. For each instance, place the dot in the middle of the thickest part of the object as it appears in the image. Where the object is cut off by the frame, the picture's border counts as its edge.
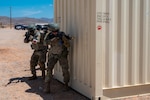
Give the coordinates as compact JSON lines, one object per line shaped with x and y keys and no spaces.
{"x":59,"y":43}
{"x":39,"y":55}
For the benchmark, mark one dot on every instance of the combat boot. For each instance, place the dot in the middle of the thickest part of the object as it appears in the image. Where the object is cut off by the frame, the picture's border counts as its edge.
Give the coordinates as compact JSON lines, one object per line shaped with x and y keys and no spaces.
{"x":66,"y":87}
{"x":43,"y":74}
{"x":33,"y":77}
{"x":47,"y":87}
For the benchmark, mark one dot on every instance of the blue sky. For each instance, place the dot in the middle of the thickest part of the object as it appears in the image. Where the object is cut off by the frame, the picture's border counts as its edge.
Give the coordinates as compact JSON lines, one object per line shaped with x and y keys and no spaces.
{"x":27,"y":8}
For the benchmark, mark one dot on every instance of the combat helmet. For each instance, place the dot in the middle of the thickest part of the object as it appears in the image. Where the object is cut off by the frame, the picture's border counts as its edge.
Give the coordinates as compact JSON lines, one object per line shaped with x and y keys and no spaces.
{"x":32,"y":27}
{"x":54,"y":27}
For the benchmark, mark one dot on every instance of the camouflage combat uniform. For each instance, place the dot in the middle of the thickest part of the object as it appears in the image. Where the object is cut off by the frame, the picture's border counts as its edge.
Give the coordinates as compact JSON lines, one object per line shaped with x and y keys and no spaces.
{"x":39,"y":55}
{"x":58,"y":52}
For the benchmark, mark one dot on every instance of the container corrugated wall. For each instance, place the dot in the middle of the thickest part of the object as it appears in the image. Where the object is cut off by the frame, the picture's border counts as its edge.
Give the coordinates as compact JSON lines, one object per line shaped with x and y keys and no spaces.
{"x":78,"y":22}
{"x":126,"y":43}
{"x":111,"y":49}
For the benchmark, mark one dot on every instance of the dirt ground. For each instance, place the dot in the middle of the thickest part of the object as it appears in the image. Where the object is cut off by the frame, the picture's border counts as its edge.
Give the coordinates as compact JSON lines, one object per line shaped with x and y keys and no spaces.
{"x":14,"y":72}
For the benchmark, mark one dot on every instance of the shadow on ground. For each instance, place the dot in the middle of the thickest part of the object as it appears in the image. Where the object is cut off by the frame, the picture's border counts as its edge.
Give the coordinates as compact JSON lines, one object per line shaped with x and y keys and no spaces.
{"x":57,"y":93}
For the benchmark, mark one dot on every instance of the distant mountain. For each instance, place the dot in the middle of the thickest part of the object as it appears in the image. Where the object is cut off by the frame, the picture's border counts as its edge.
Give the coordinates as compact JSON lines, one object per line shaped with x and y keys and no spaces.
{"x":4,"y":20}
{"x":47,"y":19}
{"x":24,"y":20}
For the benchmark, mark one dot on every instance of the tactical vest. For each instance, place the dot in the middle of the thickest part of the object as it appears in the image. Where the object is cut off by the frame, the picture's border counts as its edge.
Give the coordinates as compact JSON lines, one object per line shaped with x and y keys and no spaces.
{"x":56,"y":45}
{"x":39,"y":45}
{"x":57,"y":42}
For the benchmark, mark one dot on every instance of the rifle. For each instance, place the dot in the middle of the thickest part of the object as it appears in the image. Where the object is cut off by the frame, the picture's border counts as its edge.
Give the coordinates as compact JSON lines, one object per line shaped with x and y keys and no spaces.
{"x":28,"y":36}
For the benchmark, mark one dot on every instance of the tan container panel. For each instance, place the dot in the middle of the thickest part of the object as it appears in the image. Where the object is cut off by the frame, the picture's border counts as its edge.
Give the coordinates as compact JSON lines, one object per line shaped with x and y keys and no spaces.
{"x":111,"y":45}
{"x":78,"y":22}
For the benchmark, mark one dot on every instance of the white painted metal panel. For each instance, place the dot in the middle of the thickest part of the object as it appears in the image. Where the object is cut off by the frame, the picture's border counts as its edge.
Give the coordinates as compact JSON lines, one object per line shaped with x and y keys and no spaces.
{"x":126,"y":48}
{"x":111,"y":49}
{"x":78,"y":22}
{"x":128,"y":43}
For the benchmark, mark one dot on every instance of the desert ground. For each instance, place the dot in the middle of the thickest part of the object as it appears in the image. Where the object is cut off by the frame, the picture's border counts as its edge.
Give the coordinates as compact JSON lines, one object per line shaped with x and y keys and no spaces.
{"x":14,"y":72}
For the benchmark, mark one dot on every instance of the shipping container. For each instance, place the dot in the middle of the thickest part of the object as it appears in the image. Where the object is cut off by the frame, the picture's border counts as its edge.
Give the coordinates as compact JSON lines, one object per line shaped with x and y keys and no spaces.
{"x":110,"y":53}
